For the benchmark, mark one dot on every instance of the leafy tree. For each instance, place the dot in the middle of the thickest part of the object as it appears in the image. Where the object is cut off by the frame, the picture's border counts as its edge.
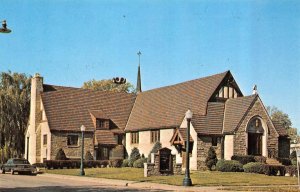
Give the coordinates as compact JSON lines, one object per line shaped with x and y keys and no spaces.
{"x":281,"y":117}
{"x":211,"y":159}
{"x":60,"y":155}
{"x":14,"y":112}
{"x":108,"y":85}
{"x":135,"y":154}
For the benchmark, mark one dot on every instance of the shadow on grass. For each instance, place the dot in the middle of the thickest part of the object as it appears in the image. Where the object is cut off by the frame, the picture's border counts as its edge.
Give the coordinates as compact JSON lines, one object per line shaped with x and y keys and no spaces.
{"x":72,"y":189}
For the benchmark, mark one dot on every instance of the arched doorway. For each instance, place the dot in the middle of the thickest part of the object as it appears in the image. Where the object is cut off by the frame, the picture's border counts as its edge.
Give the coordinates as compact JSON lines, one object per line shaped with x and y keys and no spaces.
{"x":256,"y":137}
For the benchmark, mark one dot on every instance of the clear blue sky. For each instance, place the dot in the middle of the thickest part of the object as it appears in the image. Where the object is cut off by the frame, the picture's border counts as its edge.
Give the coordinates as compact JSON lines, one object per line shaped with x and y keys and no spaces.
{"x":69,"y":42}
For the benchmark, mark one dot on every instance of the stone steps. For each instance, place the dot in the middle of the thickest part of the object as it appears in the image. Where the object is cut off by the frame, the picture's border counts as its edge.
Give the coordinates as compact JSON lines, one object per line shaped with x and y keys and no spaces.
{"x":271,"y":161}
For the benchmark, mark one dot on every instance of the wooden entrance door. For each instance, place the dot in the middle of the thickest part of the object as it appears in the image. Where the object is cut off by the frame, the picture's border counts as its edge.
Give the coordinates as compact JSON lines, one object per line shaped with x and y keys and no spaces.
{"x":254,"y":144}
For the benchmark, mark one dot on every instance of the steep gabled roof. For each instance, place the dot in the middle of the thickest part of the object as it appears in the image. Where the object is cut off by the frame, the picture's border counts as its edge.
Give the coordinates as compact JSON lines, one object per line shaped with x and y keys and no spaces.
{"x":105,"y":137}
{"x":212,"y":122}
{"x":68,"y":108}
{"x":165,"y":107}
{"x":235,"y":110}
{"x":280,"y":128}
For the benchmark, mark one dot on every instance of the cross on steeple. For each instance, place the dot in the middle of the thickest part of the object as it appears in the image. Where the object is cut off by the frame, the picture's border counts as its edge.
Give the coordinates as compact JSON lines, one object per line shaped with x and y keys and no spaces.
{"x":139,"y":83}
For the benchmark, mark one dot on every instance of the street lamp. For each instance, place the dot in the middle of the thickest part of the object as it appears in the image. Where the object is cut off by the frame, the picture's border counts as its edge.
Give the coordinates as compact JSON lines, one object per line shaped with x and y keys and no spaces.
{"x":4,"y":28}
{"x":82,"y":129}
{"x":187,"y":180}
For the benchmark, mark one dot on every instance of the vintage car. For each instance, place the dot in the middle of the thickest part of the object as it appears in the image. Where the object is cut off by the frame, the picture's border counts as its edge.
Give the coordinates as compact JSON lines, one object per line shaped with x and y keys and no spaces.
{"x":18,"y":165}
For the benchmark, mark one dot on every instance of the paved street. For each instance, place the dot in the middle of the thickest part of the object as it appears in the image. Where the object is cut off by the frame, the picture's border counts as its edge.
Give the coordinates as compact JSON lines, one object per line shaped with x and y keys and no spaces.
{"x":61,"y":183}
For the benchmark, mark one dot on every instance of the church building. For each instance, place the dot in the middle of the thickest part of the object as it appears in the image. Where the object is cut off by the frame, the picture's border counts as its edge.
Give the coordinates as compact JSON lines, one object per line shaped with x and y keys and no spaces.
{"x":115,"y":123}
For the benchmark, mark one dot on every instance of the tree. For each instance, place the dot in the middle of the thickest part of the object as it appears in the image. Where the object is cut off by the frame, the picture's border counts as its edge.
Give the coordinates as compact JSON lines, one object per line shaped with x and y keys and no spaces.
{"x":108,"y":85}
{"x":14,"y":111}
{"x":211,"y":159}
{"x":279,"y":116}
{"x":156,"y":147}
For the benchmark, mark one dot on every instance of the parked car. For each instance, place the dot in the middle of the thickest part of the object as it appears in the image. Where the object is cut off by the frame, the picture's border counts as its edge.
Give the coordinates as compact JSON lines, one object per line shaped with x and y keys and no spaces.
{"x":18,"y":165}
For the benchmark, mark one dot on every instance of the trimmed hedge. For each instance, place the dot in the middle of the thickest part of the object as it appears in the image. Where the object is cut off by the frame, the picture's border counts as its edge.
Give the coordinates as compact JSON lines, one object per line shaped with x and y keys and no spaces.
{"x":256,"y":167}
{"x":243,"y":159}
{"x":125,"y":163}
{"x":60,"y":164}
{"x":292,"y":170}
{"x":139,"y":163}
{"x":260,"y":159}
{"x":229,"y":166}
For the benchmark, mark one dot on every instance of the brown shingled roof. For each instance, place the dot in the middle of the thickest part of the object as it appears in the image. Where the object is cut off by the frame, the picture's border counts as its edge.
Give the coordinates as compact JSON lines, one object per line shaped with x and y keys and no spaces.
{"x":68,"y":108}
{"x":235,"y":109}
{"x":280,"y":128}
{"x":212,"y":123}
{"x":105,"y":137}
{"x":165,"y":107}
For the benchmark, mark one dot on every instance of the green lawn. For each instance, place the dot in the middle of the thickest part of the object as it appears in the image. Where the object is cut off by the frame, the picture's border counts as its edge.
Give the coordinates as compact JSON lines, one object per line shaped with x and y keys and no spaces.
{"x":198,"y":178}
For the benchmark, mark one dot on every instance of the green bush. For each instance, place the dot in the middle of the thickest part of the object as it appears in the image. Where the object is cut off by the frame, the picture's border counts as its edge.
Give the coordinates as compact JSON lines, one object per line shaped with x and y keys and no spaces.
{"x":60,"y":155}
{"x":139,"y":163}
{"x":135,"y":154}
{"x":88,"y":156}
{"x":294,"y":162}
{"x":293,"y":155}
{"x":125,"y":163}
{"x":243,"y":159}
{"x":254,"y":167}
{"x":229,"y":166}
{"x":260,"y":159}
{"x":211,"y":159}
{"x":292,"y":170}
{"x":115,"y":163}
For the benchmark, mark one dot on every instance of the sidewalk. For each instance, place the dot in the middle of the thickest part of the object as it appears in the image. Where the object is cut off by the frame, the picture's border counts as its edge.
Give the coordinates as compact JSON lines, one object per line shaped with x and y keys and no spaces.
{"x":130,"y":184}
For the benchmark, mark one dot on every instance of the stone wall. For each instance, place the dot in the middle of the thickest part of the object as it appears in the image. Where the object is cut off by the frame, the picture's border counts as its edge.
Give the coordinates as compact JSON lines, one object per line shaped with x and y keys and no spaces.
{"x":59,"y":140}
{"x":240,"y":139}
{"x":204,"y":143}
{"x":154,"y":169}
{"x":283,"y":147}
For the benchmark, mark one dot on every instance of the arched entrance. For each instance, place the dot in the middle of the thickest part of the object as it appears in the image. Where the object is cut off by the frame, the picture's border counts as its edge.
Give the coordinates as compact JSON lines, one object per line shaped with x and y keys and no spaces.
{"x":256,"y":137}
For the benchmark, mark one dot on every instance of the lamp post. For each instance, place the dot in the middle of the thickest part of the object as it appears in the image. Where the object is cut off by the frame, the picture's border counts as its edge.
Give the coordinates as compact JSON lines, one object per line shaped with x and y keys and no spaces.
{"x":187,"y":180}
{"x":27,"y":154}
{"x":82,"y":129}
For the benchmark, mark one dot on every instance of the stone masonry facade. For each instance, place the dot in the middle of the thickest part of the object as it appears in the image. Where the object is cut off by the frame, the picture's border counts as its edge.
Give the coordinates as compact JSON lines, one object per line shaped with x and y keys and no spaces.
{"x":240,"y":139}
{"x":204,"y":143}
{"x":59,"y":140}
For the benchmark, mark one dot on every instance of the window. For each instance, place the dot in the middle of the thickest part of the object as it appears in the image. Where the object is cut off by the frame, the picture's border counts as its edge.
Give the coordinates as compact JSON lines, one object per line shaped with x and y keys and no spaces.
{"x":72,"y":140}
{"x":214,"y":141}
{"x":44,"y":139}
{"x":135,"y":137}
{"x":102,"y":124}
{"x":155,"y":136}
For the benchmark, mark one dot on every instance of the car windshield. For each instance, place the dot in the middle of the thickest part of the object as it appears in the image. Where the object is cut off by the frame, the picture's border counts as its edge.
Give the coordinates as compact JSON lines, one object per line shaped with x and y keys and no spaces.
{"x":20,"y":161}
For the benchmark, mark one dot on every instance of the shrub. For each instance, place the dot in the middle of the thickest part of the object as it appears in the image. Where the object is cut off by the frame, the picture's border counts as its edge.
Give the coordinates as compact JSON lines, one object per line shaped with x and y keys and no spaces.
{"x":125,"y":163}
{"x":135,"y":154}
{"x":229,"y":166}
{"x":243,"y":159}
{"x":139,"y":163}
{"x":292,"y":170}
{"x":260,"y":159}
{"x":254,"y":167}
{"x":285,"y":161}
{"x":130,"y":163}
{"x":294,"y":162}
{"x":60,"y":155}
{"x":88,"y":156}
{"x":274,"y":169}
{"x":156,"y":147}
{"x":293,"y":155}
{"x":211,"y":159}
{"x":55,"y":164}
{"x":115,"y":163}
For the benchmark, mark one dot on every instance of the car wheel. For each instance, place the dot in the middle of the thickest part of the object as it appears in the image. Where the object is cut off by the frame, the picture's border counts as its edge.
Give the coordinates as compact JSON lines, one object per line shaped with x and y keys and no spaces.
{"x":12,"y":172}
{"x":3,"y":171}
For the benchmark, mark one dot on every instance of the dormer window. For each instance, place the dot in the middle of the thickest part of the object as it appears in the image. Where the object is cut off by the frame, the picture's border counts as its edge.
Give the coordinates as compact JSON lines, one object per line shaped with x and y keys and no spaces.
{"x":102,"y":123}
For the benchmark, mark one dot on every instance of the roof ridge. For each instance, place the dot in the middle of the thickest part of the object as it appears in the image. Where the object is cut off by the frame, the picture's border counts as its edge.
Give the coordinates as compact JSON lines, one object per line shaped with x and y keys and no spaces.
{"x":176,"y":84}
